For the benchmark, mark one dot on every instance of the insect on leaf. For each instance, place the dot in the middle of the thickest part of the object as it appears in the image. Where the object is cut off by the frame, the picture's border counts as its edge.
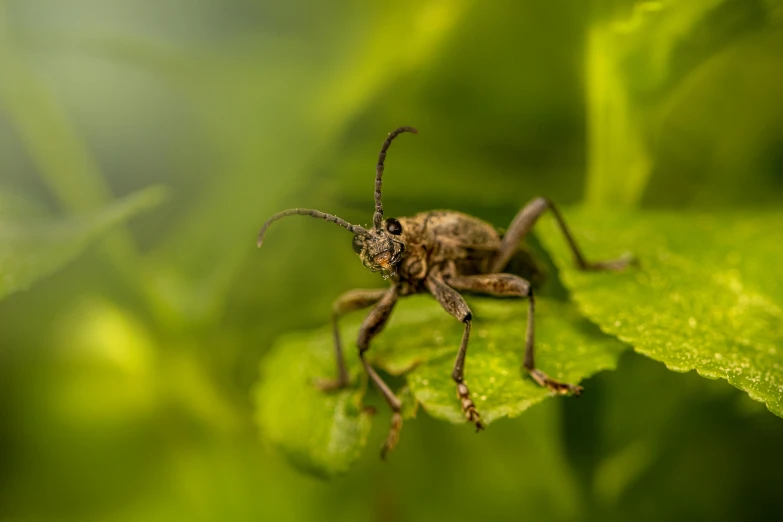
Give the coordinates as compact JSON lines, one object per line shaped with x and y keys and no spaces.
{"x":324,"y":433}
{"x":708,"y":294}
{"x":568,"y":348}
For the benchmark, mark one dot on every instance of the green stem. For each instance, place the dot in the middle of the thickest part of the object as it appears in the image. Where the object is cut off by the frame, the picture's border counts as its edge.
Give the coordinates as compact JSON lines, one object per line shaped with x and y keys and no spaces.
{"x":619,"y":161}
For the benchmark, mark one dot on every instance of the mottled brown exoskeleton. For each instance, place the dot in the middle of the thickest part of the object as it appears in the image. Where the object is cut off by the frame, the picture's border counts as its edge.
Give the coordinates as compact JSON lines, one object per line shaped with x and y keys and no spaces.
{"x":443,"y":253}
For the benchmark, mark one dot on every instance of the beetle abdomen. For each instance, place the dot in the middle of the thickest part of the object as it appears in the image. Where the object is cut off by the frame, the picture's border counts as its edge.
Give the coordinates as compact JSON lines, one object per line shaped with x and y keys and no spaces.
{"x":453,"y":226}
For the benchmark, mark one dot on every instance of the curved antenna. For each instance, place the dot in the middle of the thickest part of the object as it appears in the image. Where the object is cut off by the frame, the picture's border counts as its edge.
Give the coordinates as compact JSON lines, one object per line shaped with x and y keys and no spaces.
{"x":377,"y":218}
{"x":356,"y":229}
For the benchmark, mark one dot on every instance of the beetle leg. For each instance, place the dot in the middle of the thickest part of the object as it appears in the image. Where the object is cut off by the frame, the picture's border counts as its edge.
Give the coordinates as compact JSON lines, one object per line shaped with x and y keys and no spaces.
{"x":524,"y":222}
{"x":511,"y":285}
{"x":454,"y":304}
{"x":371,"y":326}
{"x":348,"y":302}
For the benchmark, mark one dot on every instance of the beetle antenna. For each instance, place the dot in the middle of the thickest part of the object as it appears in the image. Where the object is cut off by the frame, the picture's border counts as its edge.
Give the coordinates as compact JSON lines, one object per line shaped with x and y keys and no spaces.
{"x":356,"y":229}
{"x":377,"y":218}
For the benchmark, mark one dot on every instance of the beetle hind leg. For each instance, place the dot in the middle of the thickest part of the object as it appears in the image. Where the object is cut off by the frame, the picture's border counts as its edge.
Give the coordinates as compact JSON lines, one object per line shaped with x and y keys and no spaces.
{"x":529,"y":364}
{"x":510,"y":285}
{"x":524,"y":222}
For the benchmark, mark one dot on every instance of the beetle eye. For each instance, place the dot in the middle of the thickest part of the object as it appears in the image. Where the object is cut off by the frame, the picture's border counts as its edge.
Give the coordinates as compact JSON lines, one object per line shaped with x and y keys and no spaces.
{"x":358,"y":244}
{"x":393,"y":227}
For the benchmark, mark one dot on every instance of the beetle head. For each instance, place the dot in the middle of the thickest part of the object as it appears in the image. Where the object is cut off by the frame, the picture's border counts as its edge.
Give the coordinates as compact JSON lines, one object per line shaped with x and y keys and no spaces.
{"x":381,"y":248}
{"x":381,"y":251}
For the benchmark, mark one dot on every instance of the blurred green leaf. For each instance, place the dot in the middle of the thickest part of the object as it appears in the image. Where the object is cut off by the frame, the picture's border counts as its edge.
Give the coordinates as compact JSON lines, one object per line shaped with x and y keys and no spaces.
{"x":639,"y":55}
{"x":51,"y":138}
{"x":708,"y":295}
{"x":35,"y":247}
{"x":324,"y":433}
{"x":253,"y":172}
{"x":703,"y":163}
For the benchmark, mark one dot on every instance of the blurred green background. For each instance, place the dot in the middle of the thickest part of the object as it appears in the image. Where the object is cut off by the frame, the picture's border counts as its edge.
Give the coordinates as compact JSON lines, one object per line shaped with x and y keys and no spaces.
{"x":126,"y":377}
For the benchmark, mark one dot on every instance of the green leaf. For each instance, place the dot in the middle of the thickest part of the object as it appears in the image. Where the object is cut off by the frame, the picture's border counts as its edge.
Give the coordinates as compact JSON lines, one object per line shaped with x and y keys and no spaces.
{"x":325,"y":432}
{"x":639,"y":55}
{"x":322,"y":433}
{"x":568,"y":348}
{"x":628,"y":51}
{"x":61,"y":156}
{"x":34,"y":247}
{"x":707,"y":296}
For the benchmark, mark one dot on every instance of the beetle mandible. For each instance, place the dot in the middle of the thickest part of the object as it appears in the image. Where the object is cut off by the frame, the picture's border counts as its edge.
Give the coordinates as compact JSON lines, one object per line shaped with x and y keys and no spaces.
{"x":442,"y":253}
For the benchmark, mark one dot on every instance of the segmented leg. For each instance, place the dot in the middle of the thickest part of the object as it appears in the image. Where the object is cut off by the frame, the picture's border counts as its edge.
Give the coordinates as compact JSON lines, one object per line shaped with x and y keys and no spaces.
{"x":524,"y":222}
{"x":348,"y":302}
{"x":454,"y":304}
{"x":511,"y":285}
{"x":371,"y":326}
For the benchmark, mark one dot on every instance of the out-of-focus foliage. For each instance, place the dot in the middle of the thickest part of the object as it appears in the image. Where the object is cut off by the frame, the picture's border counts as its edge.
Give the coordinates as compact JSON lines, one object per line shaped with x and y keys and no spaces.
{"x":325,"y":432}
{"x":322,"y":433}
{"x":646,"y":63}
{"x":708,"y":296}
{"x":126,"y":378}
{"x":34,"y":245}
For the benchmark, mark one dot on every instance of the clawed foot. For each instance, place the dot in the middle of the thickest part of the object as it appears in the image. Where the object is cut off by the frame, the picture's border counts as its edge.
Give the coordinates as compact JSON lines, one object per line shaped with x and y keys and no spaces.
{"x":394,"y":435}
{"x":330,"y":385}
{"x":558,"y":387}
{"x":468,"y":408}
{"x":615,"y":265}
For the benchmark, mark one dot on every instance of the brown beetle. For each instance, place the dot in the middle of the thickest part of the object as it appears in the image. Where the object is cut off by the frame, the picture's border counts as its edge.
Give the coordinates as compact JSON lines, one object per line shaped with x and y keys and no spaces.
{"x":443,"y":253}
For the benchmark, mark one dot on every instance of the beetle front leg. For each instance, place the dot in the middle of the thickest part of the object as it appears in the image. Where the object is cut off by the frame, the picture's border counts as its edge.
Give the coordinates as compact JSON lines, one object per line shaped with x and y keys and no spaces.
{"x":371,"y":327}
{"x":348,"y":302}
{"x":524,"y":222}
{"x":454,"y":304}
{"x":508,"y":285}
